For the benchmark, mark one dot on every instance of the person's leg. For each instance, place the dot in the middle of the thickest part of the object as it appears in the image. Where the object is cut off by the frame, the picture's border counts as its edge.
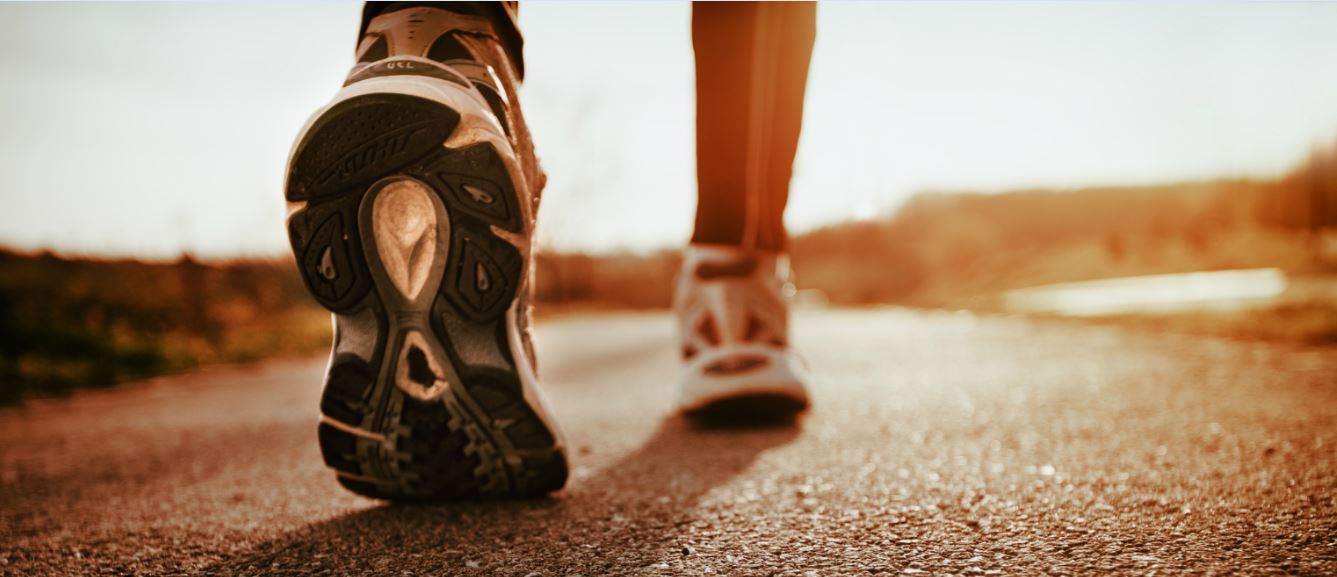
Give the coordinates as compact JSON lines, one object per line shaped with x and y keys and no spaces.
{"x":413,"y":196}
{"x":751,"y":70}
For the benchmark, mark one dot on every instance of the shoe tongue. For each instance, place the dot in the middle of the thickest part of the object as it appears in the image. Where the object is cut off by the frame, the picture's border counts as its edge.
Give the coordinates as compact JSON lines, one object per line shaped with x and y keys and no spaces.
{"x":730,"y":267}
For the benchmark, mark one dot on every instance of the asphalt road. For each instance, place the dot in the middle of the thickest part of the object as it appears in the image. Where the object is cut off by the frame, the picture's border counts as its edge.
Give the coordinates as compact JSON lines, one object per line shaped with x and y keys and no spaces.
{"x":939,"y":444}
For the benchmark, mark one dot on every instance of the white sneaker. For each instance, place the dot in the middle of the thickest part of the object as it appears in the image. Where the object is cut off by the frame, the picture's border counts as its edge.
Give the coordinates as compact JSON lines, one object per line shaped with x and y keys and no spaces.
{"x":734,"y":330}
{"x":411,"y":222}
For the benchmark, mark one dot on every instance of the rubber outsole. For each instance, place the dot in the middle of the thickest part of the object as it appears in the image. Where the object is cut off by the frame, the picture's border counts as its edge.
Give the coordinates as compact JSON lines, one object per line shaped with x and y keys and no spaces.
{"x":435,"y":409}
{"x":749,"y":410}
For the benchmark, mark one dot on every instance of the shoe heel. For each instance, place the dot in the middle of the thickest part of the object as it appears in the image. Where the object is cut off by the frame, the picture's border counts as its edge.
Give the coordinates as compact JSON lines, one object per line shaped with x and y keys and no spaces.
{"x":419,"y":250}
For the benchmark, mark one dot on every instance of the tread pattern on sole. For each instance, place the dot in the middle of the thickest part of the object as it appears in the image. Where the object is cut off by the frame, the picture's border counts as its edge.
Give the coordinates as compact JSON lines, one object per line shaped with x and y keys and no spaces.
{"x":480,"y":438}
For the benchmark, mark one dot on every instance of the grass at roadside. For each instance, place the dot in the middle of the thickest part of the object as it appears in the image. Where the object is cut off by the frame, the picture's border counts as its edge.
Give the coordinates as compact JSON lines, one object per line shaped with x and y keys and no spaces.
{"x":70,"y":323}
{"x":1309,"y":322}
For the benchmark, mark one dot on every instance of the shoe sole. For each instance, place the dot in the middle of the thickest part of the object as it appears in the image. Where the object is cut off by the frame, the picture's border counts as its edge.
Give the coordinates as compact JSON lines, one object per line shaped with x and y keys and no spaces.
{"x":748,"y":410}
{"x":416,"y":247}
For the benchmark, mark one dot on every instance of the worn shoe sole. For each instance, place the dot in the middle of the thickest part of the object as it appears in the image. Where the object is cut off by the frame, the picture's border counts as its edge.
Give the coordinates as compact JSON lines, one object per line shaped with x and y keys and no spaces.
{"x":410,"y":222}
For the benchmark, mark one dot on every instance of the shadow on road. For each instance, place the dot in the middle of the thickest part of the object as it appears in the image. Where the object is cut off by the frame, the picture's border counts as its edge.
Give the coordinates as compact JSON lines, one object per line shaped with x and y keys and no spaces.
{"x":621,"y":516}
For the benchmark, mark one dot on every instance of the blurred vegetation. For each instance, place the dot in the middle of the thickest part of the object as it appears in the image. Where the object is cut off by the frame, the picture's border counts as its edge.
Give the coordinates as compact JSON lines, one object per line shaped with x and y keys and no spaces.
{"x":1305,"y":321}
{"x":67,"y":323}
{"x":963,"y":250}
{"x":1305,"y":199}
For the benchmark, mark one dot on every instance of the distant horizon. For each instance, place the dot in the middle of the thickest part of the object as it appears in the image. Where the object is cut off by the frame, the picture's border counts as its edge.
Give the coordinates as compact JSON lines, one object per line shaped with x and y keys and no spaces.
{"x":883,"y":216}
{"x":116,"y":147}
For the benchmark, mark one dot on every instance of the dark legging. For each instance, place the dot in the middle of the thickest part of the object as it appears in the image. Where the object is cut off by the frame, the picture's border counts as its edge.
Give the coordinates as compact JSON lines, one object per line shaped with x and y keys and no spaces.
{"x":751,"y":70}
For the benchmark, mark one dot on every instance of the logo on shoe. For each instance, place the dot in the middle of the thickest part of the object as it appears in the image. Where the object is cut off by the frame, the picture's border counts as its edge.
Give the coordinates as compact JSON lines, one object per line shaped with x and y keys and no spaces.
{"x":380,"y":151}
{"x":398,"y":66}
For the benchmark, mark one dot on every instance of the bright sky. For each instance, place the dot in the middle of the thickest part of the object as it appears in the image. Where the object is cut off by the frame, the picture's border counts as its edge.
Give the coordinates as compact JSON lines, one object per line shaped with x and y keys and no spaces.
{"x":149,"y":129}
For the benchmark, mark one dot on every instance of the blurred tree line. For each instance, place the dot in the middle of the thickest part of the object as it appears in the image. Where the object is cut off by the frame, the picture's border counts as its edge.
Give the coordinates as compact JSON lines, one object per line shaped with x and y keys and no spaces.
{"x":79,"y":322}
{"x":962,"y":249}
{"x":1306,"y":197}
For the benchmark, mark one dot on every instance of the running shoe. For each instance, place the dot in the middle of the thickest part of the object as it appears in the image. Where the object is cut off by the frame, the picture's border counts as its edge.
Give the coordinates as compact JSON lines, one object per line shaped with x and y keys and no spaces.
{"x":733,"y":325}
{"x":411,"y":217}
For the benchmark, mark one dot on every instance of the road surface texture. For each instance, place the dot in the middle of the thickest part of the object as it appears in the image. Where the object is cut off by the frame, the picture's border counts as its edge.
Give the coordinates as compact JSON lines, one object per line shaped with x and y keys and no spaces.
{"x":939,"y":444}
